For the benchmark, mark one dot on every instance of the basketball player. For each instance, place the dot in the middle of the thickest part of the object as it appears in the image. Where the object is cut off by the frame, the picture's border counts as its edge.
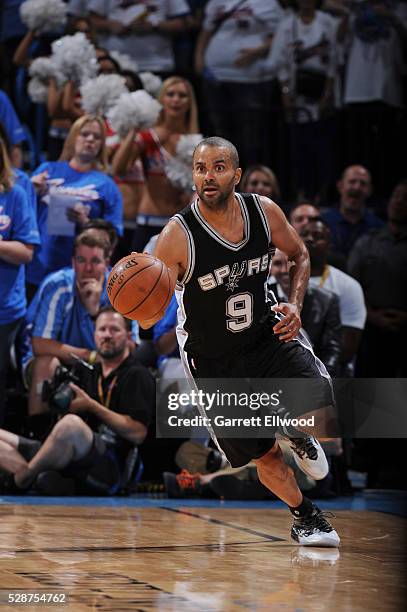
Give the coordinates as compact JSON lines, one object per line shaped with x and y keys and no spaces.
{"x":218,"y":251}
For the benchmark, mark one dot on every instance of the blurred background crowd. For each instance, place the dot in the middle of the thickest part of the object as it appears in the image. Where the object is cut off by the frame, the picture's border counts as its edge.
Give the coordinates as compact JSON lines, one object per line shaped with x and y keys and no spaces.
{"x":101,"y":105}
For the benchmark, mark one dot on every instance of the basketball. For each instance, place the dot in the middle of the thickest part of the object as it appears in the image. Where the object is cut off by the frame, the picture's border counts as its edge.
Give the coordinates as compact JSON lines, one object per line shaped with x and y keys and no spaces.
{"x":139,"y":286}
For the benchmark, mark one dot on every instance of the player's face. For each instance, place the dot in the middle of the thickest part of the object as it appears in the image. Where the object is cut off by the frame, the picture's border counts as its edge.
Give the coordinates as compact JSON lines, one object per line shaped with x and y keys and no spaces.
{"x":258,"y":182}
{"x":111,"y":335}
{"x":214,"y":175}
{"x":88,"y":141}
{"x":302,"y":215}
{"x":88,"y":262}
{"x":176,"y":100}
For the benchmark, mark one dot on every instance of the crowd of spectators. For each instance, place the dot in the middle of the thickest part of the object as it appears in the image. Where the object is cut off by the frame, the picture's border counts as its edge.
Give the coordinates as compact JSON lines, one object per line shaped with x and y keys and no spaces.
{"x":312,"y":94}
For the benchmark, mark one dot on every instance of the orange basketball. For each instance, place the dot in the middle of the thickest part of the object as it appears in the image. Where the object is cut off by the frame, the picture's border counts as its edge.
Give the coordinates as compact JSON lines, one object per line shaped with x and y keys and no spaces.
{"x":139,"y":286}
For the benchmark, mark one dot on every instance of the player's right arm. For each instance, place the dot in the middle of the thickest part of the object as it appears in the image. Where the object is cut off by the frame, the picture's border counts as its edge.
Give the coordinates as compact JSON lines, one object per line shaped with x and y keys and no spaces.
{"x":172,"y":249}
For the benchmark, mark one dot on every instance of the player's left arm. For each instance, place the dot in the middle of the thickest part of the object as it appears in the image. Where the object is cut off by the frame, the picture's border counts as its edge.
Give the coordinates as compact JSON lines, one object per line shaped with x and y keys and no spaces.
{"x":286,"y":239}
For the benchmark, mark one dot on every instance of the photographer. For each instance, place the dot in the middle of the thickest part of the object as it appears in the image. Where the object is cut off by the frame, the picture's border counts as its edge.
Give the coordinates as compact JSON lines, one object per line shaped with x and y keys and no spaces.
{"x":109,"y":414}
{"x":60,"y":322}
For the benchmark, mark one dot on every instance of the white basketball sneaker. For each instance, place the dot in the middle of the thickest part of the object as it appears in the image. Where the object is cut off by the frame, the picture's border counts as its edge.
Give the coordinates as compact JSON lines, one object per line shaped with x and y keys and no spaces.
{"x":308,"y":454}
{"x":314,"y":530}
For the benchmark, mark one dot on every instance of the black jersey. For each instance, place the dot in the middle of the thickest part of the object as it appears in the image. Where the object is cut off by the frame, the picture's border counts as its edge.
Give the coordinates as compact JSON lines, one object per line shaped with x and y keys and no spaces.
{"x":222,"y":297}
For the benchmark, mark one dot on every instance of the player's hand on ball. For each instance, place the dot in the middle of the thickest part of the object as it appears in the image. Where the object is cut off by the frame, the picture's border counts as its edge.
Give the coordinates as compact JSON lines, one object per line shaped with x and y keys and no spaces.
{"x":140,"y":287}
{"x":287,"y":328}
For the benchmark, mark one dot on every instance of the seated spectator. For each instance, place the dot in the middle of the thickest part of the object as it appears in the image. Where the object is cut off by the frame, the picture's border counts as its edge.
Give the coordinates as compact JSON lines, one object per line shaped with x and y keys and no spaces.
{"x":13,"y":127}
{"x":18,"y":236}
{"x":92,"y":443}
{"x":352,"y":307}
{"x":303,"y":213}
{"x":261,"y":180}
{"x":60,"y":320}
{"x":351,"y":219}
{"x":378,"y":261}
{"x":78,"y":185}
{"x":320,"y":314}
{"x":105,"y":229}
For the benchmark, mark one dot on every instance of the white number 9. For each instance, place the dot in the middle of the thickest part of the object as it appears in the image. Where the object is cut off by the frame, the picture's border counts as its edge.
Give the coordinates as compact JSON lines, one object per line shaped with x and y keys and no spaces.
{"x":239,"y":309}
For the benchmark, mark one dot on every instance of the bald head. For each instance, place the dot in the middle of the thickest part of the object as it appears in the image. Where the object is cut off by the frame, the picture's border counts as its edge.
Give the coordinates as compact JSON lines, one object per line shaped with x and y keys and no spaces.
{"x":220,"y":143}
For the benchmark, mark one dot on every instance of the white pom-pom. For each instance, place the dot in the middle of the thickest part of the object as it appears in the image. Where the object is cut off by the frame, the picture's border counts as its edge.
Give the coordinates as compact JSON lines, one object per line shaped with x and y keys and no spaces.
{"x":178,"y":167}
{"x":75,"y":57}
{"x":44,"y":69}
{"x":186,"y":146}
{"x":99,"y":95}
{"x":151,"y":83}
{"x":125,"y":61}
{"x":37,"y":90}
{"x":134,"y":110}
{"x":44,"y":15}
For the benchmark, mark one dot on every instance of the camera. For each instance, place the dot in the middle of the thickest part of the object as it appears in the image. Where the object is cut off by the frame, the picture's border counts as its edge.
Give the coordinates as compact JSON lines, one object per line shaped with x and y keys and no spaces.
{"x":57,"y":392}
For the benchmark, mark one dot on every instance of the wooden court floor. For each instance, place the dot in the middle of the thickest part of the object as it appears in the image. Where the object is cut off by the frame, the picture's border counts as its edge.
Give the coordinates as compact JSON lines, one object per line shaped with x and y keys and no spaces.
{"x":199,"y":559}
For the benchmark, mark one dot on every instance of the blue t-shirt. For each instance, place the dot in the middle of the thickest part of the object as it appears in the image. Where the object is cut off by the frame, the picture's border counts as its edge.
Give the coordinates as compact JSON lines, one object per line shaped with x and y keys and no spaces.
{"x":10,"y":121}
{"x":17,"y":222}
{"x":344,"y":234}
{"x":22,"y":179}
{"x":93,"y":189}
{"x":57,"y":313}
{"x":166,"y":324}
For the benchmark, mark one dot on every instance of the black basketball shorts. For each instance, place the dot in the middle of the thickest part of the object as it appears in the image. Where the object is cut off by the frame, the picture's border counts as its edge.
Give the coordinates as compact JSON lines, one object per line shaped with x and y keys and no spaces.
{"x":268,"y":358}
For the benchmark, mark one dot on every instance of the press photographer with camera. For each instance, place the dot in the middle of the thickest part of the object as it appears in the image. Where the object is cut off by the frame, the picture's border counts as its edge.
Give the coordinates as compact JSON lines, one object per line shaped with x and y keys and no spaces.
{"x":60,"y":321}
{"x":108,"y":416}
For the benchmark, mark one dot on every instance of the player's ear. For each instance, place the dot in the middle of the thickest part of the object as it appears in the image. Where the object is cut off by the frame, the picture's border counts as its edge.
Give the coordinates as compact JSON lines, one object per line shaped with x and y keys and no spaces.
{"x":238,"y":175}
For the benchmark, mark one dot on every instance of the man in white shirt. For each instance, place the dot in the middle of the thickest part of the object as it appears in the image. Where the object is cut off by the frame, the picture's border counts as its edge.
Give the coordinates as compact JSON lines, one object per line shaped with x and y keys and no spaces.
{"x":352,"y":307}
{"x":142,"y":30}
{"x":231,"y":49}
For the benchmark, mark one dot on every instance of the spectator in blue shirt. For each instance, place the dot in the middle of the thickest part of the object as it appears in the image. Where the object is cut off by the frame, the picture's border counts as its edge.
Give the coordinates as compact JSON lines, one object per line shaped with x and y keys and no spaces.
{"x":79,"y":176}
{"x":352,"y":219}
{"x":61,"y":317}
{"x":18,"y":235}
{"x":14,"y":129}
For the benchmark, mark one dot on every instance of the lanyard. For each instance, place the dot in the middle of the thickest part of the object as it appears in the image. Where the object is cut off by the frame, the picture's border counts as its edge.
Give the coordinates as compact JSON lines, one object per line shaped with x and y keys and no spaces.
{"x":324,"y":276}
{"x":106,"y":401}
